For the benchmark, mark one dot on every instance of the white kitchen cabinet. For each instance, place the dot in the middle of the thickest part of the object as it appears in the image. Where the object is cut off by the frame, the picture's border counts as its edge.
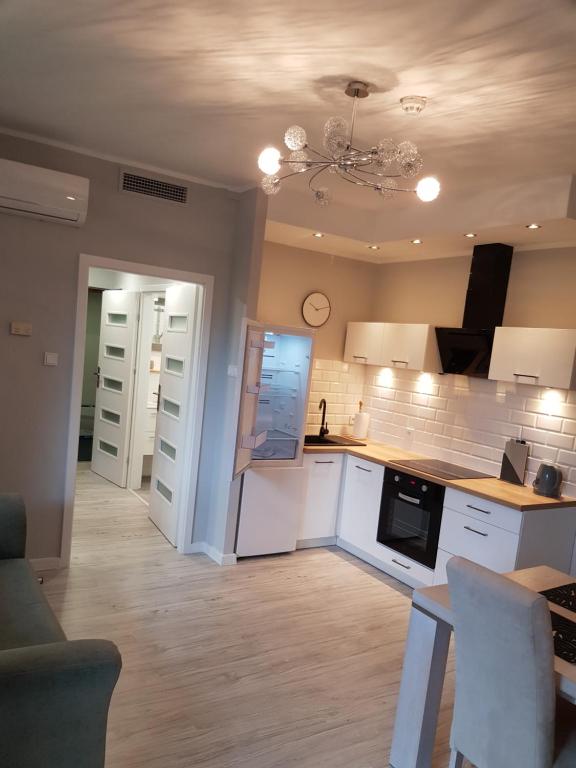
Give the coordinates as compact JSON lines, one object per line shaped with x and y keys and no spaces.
{"x":270,"y":510}
{"x":320,"y":509}
{"x":360,"y":505}
{"x":542,"y":356}
{"x":412,"y":346}
{"x":364,"y":343}
{"x":503,"y":538}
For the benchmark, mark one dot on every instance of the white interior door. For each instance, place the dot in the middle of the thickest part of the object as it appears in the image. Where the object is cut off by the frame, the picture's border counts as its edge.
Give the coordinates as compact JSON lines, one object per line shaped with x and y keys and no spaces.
{"x":116,"y":358}
{"x":179,"y":362}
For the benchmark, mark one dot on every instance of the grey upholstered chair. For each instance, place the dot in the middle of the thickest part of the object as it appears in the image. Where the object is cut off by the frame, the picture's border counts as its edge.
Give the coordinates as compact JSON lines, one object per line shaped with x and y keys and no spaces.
{"x":506,"y":714}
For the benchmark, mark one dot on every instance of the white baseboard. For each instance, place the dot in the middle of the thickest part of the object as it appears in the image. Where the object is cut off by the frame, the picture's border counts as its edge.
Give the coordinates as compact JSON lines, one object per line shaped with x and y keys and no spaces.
{"x":211,"y":552}
{"x":46,"y":563}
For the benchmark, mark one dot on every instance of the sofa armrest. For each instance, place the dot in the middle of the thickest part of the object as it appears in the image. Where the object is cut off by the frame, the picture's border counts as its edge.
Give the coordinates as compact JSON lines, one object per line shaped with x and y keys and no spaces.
{"x":12,"y":526}
{"x":54,"y":701}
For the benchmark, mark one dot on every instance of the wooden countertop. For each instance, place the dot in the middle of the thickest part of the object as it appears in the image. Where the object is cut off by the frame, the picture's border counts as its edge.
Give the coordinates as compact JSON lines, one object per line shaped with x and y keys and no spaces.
{"x":519,"y":497}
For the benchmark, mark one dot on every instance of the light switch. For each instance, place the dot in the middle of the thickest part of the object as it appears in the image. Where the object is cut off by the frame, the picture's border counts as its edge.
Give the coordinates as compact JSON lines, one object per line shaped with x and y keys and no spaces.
{"x":20,"y":328}
{"x":50,"y":358}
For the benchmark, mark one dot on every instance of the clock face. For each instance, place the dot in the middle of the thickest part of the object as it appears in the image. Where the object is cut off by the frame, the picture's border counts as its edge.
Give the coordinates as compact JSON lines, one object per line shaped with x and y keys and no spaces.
{"x":316,"y":309}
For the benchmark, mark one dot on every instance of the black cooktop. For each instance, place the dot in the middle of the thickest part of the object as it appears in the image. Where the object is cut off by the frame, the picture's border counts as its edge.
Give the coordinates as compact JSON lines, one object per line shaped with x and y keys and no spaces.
{"x":442,"y":469}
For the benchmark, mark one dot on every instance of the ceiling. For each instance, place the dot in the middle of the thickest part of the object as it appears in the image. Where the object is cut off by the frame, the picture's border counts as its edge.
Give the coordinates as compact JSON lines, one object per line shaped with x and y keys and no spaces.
{"x":197,"y":88}
{"x":555,"y":233}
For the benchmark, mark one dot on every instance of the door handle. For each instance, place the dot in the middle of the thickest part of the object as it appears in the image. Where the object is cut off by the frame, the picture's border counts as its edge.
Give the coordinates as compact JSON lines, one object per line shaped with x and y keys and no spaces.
{"x":326,"y":462}
{"x":411,"y":499}
{"x":158,"y":397}
{"x":97,"y":374}
{"x":473,"y":530}
{"x":401,"y":564}
{"x":362,"y":468}
{"x":477,"y":509}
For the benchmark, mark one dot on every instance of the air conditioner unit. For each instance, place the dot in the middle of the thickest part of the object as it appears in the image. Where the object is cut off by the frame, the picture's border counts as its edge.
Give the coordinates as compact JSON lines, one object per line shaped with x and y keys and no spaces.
{"x":40,"y":193}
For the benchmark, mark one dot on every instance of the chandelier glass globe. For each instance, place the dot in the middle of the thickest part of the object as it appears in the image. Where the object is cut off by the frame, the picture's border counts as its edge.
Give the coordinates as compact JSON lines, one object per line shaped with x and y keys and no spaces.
{"x":269,"y":161}
{"x":295,"y":137}
{"x":298,"y":161}
{"x":428,"y":189}
{"x":271,"y":185}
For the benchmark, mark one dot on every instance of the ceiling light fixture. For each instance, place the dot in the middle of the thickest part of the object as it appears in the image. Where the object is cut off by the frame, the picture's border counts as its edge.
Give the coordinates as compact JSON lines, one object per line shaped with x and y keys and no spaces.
{"x":417,"y":241}
{"x":470,"y":234}
{"x":378,"y":168}
{"x":70,"y":197}
{"x":533,"y":226}
{"x":373,"y":247}
{"x":318,"y":234}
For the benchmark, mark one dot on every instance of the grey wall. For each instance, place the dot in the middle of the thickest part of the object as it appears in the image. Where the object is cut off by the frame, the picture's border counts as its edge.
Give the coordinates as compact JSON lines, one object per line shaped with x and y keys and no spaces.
{"x":38,"y":282}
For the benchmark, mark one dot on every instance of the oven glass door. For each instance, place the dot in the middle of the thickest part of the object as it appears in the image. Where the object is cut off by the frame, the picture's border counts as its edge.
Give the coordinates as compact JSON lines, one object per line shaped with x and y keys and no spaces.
{"x":409,"y":526}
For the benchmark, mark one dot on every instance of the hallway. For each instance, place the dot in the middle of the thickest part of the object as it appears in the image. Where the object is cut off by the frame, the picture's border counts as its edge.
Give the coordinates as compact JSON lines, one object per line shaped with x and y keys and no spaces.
{"x":280,"y":661}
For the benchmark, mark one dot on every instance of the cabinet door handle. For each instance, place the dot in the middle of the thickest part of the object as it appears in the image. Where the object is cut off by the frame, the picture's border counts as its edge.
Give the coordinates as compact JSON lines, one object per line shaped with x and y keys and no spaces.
{"x":411,"y":499}
{"x":323,"y":462}
{"x":405,"y":362}
{"x":362,"y":468}
{"x":473,"y":530}
{"x":477,"y":509}
{"x":360,"y":357}
{"x":527,"y":375}
{"x":402,"y":565}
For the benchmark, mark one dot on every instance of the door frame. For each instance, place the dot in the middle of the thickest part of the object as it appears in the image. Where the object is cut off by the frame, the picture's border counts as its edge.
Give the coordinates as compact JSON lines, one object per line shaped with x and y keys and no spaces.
{"x":194,"y":417}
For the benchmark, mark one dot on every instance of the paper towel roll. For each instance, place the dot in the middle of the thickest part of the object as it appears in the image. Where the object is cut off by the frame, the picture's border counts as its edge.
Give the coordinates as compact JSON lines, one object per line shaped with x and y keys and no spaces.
{"x":361,"y":423}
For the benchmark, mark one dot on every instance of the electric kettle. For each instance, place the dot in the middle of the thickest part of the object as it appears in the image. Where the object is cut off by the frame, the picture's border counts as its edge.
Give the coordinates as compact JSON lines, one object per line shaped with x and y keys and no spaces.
{"x":548,"y":481}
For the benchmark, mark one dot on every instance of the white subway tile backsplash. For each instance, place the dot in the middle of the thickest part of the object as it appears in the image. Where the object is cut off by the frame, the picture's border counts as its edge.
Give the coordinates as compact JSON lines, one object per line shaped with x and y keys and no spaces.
{"x":466,"y":421}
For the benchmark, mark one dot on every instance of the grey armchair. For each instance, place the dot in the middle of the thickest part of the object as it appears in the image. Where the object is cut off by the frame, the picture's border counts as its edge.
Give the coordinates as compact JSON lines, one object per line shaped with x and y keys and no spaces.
{"x":506,"y":714}
{"x":54,"y":693}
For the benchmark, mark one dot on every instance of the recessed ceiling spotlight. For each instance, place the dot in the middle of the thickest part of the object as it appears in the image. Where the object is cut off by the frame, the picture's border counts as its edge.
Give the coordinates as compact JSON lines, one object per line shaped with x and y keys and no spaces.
{"x":318,"y":234}
{"x":470,"y":234}
{"x":533,"y":226}
{"x":417,"y":241}
{"x":70,"y":197}
{"x":373,"y":247}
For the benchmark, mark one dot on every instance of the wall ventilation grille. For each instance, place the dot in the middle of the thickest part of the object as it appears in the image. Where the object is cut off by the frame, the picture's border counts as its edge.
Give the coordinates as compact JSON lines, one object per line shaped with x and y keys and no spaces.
{"x":145,"y":185}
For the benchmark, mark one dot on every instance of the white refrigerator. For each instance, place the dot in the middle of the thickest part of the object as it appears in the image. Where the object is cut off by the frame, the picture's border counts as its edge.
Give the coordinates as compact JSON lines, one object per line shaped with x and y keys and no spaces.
{"x":270,"y":440}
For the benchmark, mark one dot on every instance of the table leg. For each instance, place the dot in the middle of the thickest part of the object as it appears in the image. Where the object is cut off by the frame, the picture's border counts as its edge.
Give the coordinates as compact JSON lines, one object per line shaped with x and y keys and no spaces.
{"x":420,"y":691}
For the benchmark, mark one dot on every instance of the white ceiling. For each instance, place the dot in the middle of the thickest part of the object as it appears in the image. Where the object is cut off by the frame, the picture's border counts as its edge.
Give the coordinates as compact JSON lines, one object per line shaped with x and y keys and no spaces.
{"x":553,"y":234}
{"x":199,"y":87}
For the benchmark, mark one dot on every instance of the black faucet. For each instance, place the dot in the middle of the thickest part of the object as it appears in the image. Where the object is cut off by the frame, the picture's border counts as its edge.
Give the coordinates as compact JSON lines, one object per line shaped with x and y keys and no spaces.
{"x":324,"y":427}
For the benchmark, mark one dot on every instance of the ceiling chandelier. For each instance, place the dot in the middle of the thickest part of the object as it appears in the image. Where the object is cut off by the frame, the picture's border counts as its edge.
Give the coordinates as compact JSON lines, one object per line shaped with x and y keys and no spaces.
{"x":383,"y":168}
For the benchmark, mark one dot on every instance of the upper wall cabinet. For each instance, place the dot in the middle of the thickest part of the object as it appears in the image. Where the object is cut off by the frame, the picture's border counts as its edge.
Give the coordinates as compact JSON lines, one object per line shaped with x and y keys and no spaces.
{"x":396,"y":345}
{"x":542,"y":356}
{"x":364,"y":343}
{"x":410,"y":345}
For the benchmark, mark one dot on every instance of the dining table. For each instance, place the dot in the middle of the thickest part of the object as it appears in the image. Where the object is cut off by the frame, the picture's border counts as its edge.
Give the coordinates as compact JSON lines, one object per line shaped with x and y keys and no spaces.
{"x":425,"y":660}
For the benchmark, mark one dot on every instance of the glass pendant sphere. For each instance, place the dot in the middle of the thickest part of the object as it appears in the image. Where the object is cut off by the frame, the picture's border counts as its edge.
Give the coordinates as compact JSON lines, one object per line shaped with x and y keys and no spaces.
{"x":410,"y":168}
{"x":336,"y":145}
{"x":270,"y":185}
{"x":298,"y":161}
{"x":269,"y":161}
{"x":407,"y":150}
{"x":428,"y":189}
{"x":295,"y":137}
{"x":386,"y":152}
{"x":387,"y":187}
{"x":322,"y":196}
{"x":335,"y":126}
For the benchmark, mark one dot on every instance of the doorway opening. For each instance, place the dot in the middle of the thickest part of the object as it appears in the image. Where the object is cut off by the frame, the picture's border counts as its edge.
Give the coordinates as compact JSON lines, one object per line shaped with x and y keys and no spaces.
{"x":139,"y":379}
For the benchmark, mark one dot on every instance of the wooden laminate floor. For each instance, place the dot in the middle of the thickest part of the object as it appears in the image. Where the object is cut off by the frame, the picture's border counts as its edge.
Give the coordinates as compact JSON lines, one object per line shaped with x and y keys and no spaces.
{"x":292,"y":660}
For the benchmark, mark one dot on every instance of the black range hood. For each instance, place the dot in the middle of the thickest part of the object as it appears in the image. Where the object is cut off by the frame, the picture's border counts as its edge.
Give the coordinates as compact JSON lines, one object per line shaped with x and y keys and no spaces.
{"x":467,"y":350}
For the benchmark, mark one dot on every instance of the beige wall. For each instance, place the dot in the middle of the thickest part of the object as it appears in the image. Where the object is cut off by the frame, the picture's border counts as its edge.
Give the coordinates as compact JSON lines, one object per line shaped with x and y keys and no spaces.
{"x":290,"y":274}
{"x":213,"y":235}
{"x":542,"y":289}
{"x":423,"y":291}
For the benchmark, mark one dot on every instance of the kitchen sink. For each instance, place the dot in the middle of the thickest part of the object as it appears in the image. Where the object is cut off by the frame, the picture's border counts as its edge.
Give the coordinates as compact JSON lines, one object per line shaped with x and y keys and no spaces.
{"x":330,"y":440}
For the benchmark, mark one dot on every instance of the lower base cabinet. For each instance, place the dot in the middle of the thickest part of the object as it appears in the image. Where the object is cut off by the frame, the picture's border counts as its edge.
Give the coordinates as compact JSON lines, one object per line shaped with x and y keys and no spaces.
{"x":360,"y":505}
{"x":320,"y":510}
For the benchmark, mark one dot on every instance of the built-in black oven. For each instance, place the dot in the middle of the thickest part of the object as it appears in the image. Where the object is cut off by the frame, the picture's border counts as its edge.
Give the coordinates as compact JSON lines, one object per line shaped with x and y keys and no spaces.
{"x":410,"y":516}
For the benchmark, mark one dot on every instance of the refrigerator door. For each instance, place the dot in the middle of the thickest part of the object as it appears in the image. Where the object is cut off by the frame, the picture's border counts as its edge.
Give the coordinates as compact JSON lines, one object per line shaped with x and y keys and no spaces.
{"x":273,"y":397}
{"x":283,"y":398}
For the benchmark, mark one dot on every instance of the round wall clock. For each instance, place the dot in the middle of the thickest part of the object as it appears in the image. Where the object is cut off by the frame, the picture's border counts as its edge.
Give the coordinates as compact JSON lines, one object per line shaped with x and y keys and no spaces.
{"x":316,"y":309}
